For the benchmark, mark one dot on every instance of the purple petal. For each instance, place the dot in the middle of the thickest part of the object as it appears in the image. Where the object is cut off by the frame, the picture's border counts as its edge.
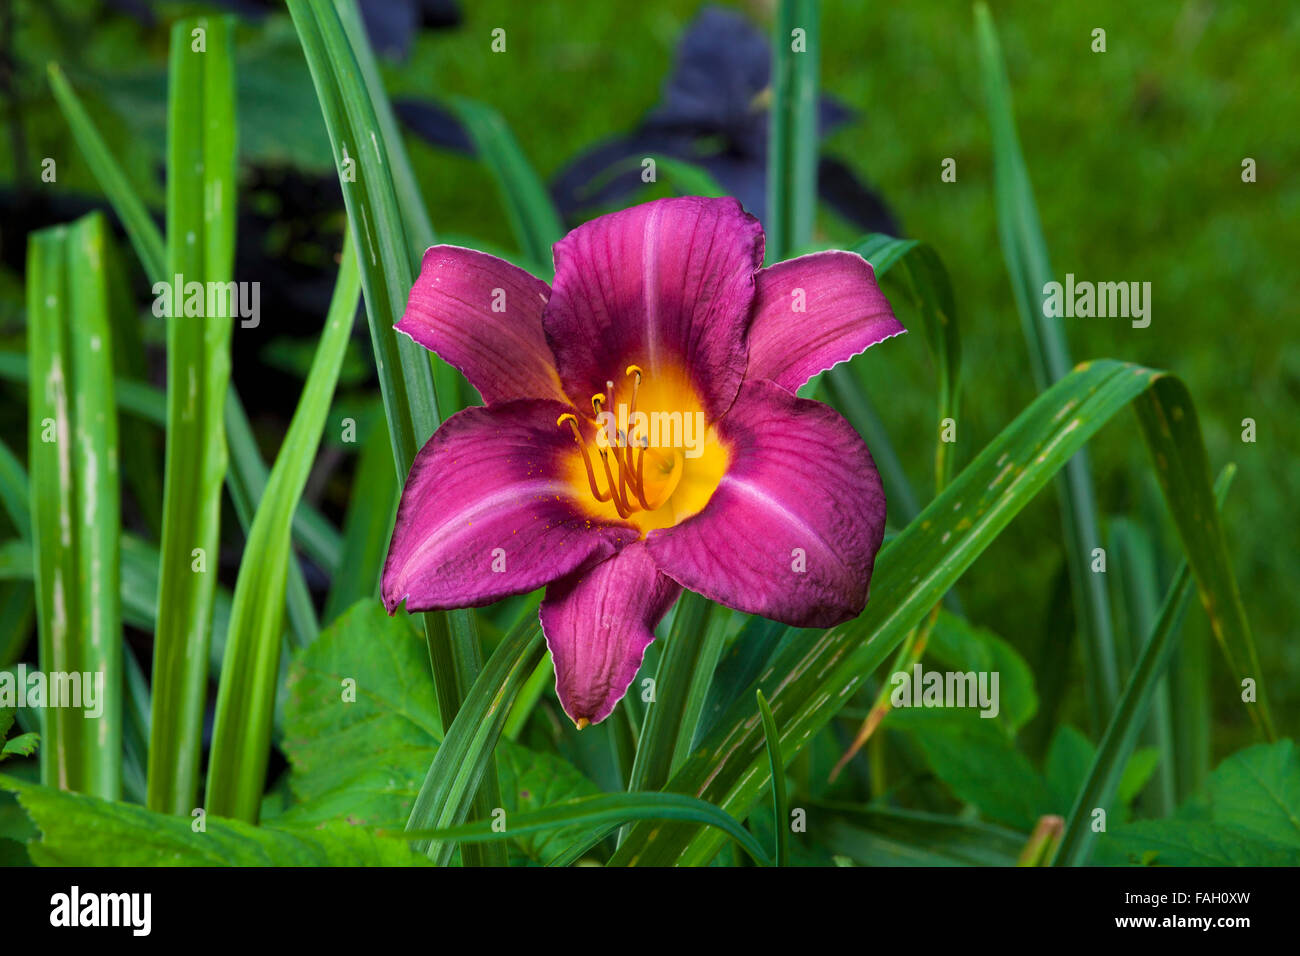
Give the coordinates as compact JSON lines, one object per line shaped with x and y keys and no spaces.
{"x":814,"y":312}
{"x":793,"y":528}
{"x":484,"y":316}
{"x":598,"y":624}
{"x":487,"y":512}
{"x":667,"y":286}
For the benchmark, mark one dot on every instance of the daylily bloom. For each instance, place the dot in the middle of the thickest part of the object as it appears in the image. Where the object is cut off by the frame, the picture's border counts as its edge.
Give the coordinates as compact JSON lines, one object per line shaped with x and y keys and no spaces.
{"x":641,"y":434}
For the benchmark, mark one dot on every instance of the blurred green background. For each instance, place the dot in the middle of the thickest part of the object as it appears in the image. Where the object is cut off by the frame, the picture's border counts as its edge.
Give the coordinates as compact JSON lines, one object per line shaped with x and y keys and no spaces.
{"x":1135,"y":155}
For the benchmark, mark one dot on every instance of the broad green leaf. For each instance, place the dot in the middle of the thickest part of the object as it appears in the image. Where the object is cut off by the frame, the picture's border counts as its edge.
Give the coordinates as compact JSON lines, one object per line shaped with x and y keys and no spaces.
{"x":979,"y":763}
{"x":809,"y":681}
{"x":532,"y":781}
{"x":1137,"y":772}
{"x":1025,"y":252}
{"x":84,"y":831}
{"x":962,"y":646}
{"x":74,"y":508}
{"x":1248,"y":815}
{"x":1068,"y":758}
{"x":241,"y":737}
{"x":1258,"y":789}
{"x":362,"y":728}
{"x":361,"y":719}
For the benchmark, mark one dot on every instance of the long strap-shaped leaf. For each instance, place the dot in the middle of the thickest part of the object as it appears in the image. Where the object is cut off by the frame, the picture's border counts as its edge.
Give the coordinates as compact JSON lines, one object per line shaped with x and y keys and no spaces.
{"x":807,"y":683}
{"x":247,"y":474}
{"x":466,"y":749}
{"x":74,"y":507}
{"x":532,"y":214}
{"x":1117,"y":743}
{"x":604,"y":812}
{"x":368,"y":524}
{"x":200,"y":248}
{"x":387,"y":274}
{"x":681,"y":685}
{"x":792,"y":138}
{"x":1025,"y":252}
{"x":449,"y":385}
{"x":780,"y":824}
{"x":241,"y":738}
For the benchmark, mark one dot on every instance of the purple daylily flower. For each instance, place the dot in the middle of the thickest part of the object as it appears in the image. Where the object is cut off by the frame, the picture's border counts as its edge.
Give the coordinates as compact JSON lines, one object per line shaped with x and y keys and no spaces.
{"x":641,"y":434}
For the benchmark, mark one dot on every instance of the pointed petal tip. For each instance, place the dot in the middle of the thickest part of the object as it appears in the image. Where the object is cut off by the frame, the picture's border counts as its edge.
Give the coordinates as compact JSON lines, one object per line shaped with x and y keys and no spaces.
{"x":393,"y":602}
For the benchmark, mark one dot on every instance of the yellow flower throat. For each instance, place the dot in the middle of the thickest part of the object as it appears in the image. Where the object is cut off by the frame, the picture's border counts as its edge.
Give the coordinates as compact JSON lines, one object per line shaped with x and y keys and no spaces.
{"x":657,"y":462}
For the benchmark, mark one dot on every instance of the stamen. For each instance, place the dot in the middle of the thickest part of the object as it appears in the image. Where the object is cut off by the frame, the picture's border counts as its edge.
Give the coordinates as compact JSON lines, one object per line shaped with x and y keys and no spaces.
{"x":639,"y":473}
{"x":586,"y":459}
{"x":630,"y":448}
{"x":619,"y":505}
{"x":631,"y":411}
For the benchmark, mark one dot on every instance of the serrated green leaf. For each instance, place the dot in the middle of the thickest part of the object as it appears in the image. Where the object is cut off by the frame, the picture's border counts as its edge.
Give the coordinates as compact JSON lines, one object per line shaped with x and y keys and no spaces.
{"x":961,"y":646}
{"x":85,"y":831}
{"x":24,"y":745}
{"x":1248,"y":815}
{"x":979,"y":763}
